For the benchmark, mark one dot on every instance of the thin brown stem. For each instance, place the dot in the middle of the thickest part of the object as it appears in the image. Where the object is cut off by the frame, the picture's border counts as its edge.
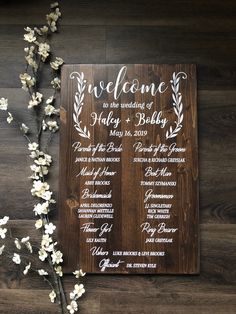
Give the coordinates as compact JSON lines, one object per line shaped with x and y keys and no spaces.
{"x":59,"y":291}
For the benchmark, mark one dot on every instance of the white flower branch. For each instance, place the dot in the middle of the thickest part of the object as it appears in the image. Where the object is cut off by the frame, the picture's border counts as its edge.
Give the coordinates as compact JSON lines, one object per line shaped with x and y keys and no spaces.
{"x":24,"y":252}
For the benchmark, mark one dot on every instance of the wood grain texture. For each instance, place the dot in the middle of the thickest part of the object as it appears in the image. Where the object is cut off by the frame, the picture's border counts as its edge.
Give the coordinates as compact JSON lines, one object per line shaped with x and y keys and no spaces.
{"x":209,"y":40}
{"x":127,"y":194}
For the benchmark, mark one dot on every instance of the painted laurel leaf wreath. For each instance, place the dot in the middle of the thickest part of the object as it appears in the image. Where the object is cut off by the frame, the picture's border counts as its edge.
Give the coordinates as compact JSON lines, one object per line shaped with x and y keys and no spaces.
{"x":177,"y":104}
{"x":176,"y":96}
{"x":78,"y":104}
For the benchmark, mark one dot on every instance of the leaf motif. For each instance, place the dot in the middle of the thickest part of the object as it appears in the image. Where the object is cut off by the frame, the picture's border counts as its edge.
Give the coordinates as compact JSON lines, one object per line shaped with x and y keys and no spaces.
{"x":74,"y":117}
{"x":181,"y":118}
{"x":173,"y":135}
{"x":79,"y":87}
{"x":80,"y":109}
{"x":176,"y":112}
{"x":82,"y":98}
{"x":181,"y":107}
{"x":75,"y":107}
{"x":82,"y":76}
{"x":167,"y":134}
{"x":77,"y":99}
{"x":174,"y":98}
{"x":179,"y":99}
{"x":82,"y":135}
{"x":174,"y":76}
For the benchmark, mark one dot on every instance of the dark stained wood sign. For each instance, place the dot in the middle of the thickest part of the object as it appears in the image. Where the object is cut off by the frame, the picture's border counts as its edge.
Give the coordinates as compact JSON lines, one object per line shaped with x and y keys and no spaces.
{"x":129,"y":169}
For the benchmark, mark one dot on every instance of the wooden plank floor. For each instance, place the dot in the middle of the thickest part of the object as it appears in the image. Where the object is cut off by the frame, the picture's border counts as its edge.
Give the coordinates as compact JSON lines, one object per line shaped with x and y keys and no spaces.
{"x":141,"y":31}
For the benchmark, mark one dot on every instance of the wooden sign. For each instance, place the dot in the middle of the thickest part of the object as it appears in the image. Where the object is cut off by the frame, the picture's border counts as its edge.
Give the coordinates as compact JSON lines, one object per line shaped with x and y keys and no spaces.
{"x":129,"y":169}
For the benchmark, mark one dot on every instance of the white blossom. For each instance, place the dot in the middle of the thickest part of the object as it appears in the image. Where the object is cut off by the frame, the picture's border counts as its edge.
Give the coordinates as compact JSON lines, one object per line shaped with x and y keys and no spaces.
{"x":36,"y":99}
{"x":52,"y":19}
{"x":73,"y":296}
{"x":55,"y":65}
{"x":41,"y":164}
{"x":27,"y":268}
{"x":57,"y":257}
{"x":3,"y":103}
{"x":44,"y":161}
{"x":39,"y":171}
{"x":48,"y":159}
{"x":17,"y":244}
{"x":25,"y":240}
{"x":31,"y":62}
{"x":49,"y":228}
{"x":79,"y":273}
{"x":30,"y":55}
{"x":49,"y":110}
{"x":3,"y":232}
{"x":52,"y":296}
{"x":46,"y":241}
{"x":50,"y":248}
{"x":27,"y":81}
{"x":49,"y":100}
{"x":29,"y":247}
{"x":44,"y":50}
{"x":4,"y":220}
{"x":42,"y":254}
{"x":72,"y":307}
{"x":53,"y":26}
{"x":54,"y":5}
{"x":40,"y":189}
{"x":44,"y":125}
{"x":57,"y":12}
{"x":38,"y":31}
{"x":42,"y":272}
{"x":56,"y":83}
{"x":2,"y":249}
{"x":34,"y":154}
{"x":24,"y":128}
{"x":16,"y":258}
{"x":79,"y":290}
{"x":40,"y":185}
{"x":30,"y":35}
{"x":33,"y":146}
{"x":9,"y":118}
{"x":44,"y":29}
{"x":52,"y":125}
{"x":58,"y":270}
{"x":40,"y":161}
{"x":38,"y":223}
{"x":46,"y":195}
{"x":41,"y":208}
